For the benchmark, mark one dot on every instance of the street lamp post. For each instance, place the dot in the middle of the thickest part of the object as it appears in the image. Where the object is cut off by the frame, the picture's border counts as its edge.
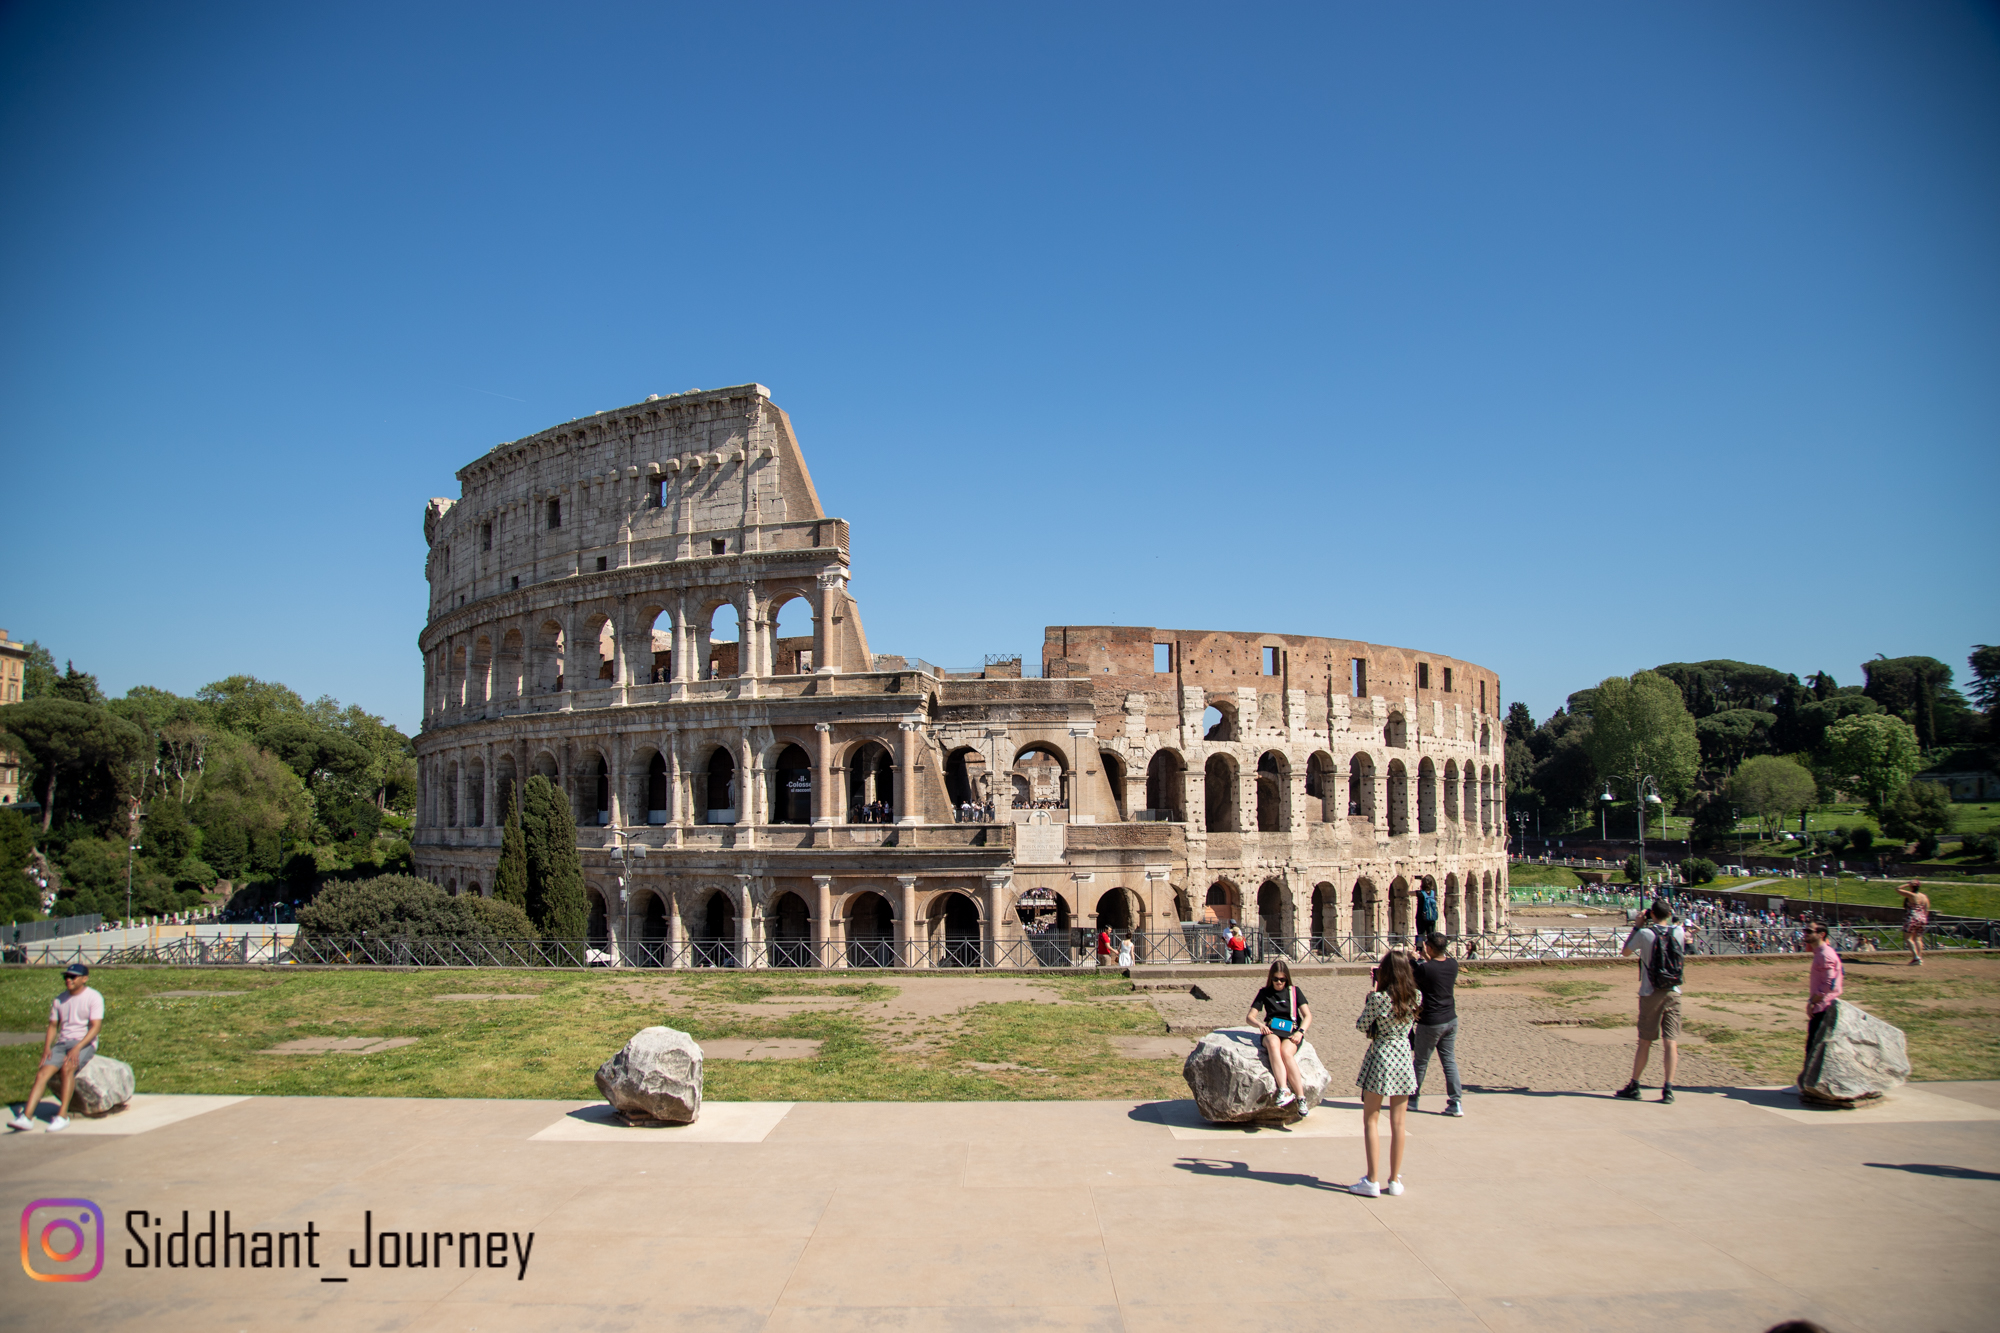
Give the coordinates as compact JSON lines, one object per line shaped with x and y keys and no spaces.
{"x":621,"y":856}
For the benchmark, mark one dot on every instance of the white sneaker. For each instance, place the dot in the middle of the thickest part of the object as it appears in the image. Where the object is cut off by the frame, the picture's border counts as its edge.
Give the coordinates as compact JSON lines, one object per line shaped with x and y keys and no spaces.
{"x":1365,"y":1187}
{"x":1454,"y":1109}
{"x":1394,"y":1187}
{"x":60,"y":1122}
{"x":21,"y":1121}
{"x":1285,"y":1097}
{"x":1304,"y":1110}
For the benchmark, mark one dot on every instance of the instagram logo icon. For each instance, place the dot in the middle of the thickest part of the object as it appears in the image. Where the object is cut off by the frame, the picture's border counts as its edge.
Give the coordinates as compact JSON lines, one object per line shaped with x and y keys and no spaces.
{"x":65,"y":1237}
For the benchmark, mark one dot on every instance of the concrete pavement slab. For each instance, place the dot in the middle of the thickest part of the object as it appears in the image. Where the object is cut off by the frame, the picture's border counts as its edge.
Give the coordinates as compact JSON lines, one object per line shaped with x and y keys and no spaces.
{"x":719,"y":1122}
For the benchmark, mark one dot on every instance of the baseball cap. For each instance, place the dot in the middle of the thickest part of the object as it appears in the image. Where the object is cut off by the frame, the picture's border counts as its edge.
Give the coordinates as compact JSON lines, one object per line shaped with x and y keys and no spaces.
{"x":77,"y":970}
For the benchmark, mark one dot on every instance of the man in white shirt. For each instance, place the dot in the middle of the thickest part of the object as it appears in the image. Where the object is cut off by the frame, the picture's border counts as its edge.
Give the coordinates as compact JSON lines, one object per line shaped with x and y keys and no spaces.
{"x":1659,"y":1004}
{"x":75,"y":1018}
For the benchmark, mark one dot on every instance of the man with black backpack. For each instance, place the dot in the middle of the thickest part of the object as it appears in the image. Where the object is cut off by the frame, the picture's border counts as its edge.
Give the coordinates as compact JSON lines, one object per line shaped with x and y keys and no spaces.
{"x":1661,"y":945}
{"x":1427,"y":914}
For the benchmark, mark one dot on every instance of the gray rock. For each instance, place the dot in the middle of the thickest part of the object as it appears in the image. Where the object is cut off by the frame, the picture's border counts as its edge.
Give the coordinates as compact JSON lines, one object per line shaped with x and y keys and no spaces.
{"x":1858,"y":1059}
{"x":103,"y":1085}
{"x":655,"y":1080}
{"x":1232,"y":1085}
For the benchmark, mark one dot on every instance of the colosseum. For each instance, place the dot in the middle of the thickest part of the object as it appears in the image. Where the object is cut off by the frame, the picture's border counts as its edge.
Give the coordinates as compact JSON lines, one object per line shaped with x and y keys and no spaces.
{"x":649,"y":607}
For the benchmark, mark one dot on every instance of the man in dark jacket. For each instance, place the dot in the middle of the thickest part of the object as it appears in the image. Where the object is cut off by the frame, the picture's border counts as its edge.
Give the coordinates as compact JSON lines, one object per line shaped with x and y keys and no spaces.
{"x":1437,"y":1021}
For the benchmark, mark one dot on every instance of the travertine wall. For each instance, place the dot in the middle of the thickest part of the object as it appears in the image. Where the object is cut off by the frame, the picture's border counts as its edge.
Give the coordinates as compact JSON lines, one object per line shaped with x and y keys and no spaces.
{"x":575,"y":642}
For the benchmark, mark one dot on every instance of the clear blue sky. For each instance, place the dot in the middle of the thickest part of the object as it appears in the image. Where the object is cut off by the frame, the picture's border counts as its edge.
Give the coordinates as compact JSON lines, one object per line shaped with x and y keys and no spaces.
{"x":1567,"y":338}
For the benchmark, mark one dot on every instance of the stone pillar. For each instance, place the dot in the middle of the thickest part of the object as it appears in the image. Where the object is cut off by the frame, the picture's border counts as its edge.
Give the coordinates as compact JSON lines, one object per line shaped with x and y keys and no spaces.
{"x":999,"y":781}
{"x":673,"y":902}
{"x":907,"y":935}
{"x":825,"y":798}
{"x":826,"y":635}
{"x":997,"y":934}
{"x":907,"y":805}
{"x":682,"y":643}
{"x":749,"y":925}
{"x":822,"y":910}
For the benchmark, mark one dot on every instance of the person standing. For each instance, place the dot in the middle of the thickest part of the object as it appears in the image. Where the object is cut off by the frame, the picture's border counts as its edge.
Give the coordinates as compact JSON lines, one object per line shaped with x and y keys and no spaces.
{"x":75,"y":1018}
{"x":1436,"y":975}
{"x":1427,"y":914}
{"x":1661,"y":946}
{"x":1916,"y":915}
{"x":1387,"y":1072}
{"x":1823,"y":984}
{"x":1239,"y":948}
{"x":1104,"y":946}
{"x":1283,"y":1030}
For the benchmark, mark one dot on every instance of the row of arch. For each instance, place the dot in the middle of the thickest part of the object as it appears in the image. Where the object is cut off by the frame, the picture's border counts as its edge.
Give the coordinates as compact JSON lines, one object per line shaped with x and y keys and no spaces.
{"x":1219,"y":723}
{"x":1468,"y":906}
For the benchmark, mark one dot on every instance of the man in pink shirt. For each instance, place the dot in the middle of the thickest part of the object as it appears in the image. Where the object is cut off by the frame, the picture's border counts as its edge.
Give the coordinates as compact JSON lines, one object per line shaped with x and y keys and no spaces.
{"x":1824,"y":986}
{"x":75,"y":1019}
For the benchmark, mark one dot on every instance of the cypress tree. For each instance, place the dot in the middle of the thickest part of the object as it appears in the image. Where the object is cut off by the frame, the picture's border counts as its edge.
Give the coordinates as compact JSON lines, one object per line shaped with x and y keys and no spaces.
{"x":510,"y":880}
{"x":556,"y":903}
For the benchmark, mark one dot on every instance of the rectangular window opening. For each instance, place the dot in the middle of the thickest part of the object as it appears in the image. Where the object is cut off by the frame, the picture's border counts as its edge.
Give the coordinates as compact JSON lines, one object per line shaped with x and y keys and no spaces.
{"x":718,"y":546}
{"x":1423,"y":675}
{"x":1361,"y":678}
{"x":517,"y":583}
{"x":660,"y":493}
{"x":1447,"y":680}
{"x":555,"y":513}
{"x":1270,"y":661}
{"x":485,"y":536}
{"x":603,"y":562}
{"x":1163,"y":658}
{"x":1482,"y":696}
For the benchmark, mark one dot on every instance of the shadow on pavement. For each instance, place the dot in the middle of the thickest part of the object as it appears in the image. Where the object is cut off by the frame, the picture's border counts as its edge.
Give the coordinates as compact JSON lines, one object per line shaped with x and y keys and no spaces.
{"x":1209,"y":1166}
{"x":1930,"y":1169}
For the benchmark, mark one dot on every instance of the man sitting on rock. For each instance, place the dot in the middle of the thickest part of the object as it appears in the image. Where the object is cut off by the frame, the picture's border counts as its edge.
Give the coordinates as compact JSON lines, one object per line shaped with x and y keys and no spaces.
{"x":75,"y":1017}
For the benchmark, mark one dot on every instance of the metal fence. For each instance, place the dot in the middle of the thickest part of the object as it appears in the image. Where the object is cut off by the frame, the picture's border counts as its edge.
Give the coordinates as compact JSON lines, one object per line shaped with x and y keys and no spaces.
{"x":33,"y":932}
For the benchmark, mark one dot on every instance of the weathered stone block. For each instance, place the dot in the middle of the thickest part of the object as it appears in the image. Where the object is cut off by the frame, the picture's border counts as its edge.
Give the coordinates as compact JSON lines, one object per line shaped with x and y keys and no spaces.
{"x":1858,"y":1059}
{"x":656,"y":1079}
{"x":103,"y":1085}
{"x":1232,"y":1085}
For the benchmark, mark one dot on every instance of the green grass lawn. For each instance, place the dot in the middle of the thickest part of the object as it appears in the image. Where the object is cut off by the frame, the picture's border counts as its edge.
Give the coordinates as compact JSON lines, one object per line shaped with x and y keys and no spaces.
{"x":549,"y":1046}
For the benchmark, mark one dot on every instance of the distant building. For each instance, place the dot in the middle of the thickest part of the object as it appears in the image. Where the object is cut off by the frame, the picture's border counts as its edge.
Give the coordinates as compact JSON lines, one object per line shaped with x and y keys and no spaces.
{"x":13,"y":670}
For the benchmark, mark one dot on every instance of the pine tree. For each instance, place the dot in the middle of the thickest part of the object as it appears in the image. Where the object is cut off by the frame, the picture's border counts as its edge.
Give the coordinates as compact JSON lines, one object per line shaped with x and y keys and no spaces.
{"x":510,"y":880}
{"x":555,"y":900}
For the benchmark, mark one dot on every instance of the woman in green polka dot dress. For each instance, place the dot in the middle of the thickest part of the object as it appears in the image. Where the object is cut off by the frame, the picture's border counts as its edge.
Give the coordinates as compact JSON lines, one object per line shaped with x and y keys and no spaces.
{"x":1387,"y":1070}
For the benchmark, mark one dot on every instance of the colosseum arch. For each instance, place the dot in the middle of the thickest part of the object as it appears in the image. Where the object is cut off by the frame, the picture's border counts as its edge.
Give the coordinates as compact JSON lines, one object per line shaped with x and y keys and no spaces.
{"x":1366,"y":913}
{"x":451,"y":806}
{"x":594,"y":792}
{"x":719,"y":788}
{"x":602,"y":667}
{"x":871,"y":780}
{"x":1474,"y":921}
{"x":1401,"y":921}
{"x":1113,"y":768}
{"x":953,"y":930}
{"x":1324,"y":923}
{"x":479,"y":689}
{"x":1322,"y":788}
{"x":788,"y":932}
{"x":475,"y":793}
{"x":1218,"y":720}
{"x":1219,"y":785}
{"x":1485,"y":799}
{"x":504,"y":781}
{"x":1454,"y":909}
{"x":1166,"y":786}
{"x":457,"y":689}
{"x":1399,"y":798}
{"x":1222,"y":904}
{"x":651,"y":913}
{"x":1396,"y":735}
{"x":1274,"y":792}
{"x":721,"y":648}
{"x":1361,"y":786}
{"x":545,"y":766}
{"x":792,"y":632}
{"x":1041,"y":773}
{"x":1469,"y":789}
{"x":1427,"y":797}
{"x":548,"y":667}
{"x":714,"y":930}
{"x":508,"y":666}
{"x":791,"y":786}
{"x":966,"y":781}
{"x":597,"y":931}
{"x":871,"y":930}
{"x":1274,"y":908}
{"x":1451,"y":790}
{"x":653,"y":634}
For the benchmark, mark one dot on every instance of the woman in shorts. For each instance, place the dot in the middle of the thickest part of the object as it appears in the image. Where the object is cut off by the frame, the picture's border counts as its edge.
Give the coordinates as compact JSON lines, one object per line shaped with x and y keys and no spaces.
{"x":1286,"y":1018}
{"x":1387,"y":1071}
{"x":1916,"y":915}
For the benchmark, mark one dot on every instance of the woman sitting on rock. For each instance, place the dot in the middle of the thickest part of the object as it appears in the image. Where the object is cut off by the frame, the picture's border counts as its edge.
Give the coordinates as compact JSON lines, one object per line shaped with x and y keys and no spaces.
{"x":1387,"y":1070}
{"x":1286,"y":1018}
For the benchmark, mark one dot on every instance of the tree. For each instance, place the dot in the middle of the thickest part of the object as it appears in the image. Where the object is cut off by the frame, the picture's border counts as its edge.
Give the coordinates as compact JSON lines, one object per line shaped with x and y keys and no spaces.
{"x":555,"y":873}
{"x":77,"y":686}
{"x":316,"y":753}
{"x":1872,"y":754}
{"x":1771,"y":788}
{"x":1641,"y":726}
{"x":1909,"y":687}
{"x":504,"y":921}
{"x":1728,"y":737}
{"x":1921,"y":810}
{"x":38,"y":673}
{"x":1520,"y":723}
{"x":72,"y":742}
{"x":1985,"y":665}
{"x":391,"y":906}
{"x":510,"y":878}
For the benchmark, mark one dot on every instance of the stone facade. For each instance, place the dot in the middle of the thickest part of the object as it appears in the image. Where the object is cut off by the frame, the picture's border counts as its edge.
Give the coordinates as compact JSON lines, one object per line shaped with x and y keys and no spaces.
{"x":13,"y":666}
{"x":801,"y":797}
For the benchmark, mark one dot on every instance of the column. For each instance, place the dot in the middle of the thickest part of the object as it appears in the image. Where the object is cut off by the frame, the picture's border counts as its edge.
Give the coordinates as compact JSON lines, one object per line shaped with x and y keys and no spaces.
{"x":1082,"y":791}
{"x":906,"y":766}
{"x":683,"y":642}
{"x":673,"y":901}
{"x":494,"y":818}
{"x":825,"y":633}
{"x":999,"y":781}
{"x":996,"y":900}
{"x":907,"y":936}
{"x":749,"y":925}
{"x":825,"y":798}
{"x":822,"y":911}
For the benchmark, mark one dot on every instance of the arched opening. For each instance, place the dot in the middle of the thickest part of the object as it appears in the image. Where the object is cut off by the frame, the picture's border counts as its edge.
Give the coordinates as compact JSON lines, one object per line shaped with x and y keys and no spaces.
{"x":1183,"y":907}
{"x":480,"y":687}
{"x":724,"y":651}
{"x":719,"y":787}
{"x":656,"y":789}
{"x":1219,"y":790}
{"x":1399,"y":909}
{"x":451,"y":808}
{"x":792,"y":638}
{"x":789,"y":931}
{"x":457,"y":687}
{"x":546,"y":767}
{"x":871,"y":931}
{"x":966,"y":783}
{"x":473,"y":890}
{"x":656,"y":631}
{"x":954,"y":931}
{"x":605,"y":637}
{"x":715,"y":944}
{"x":1451,"y":790}
{"x":1470,"y":784}
{"x":1454,"y":907}
{"x":475,"y":794}
{"x":1322,"y":784}
{"x":871,"y":785}
{"x":1221,"y":906}
{"x":1325,"y":918}
{"x":507,"y":668}
{"x":1396,"y":734}
{"x":1399,"y":799}
{"x":1485,"y":738}
{"x":1274,"y":774}
{"x":1474,"y":925}
{"x":549,"y":657}
{"x":1427,"y":797}
{"x":1361,"y":788}
{"x":1166,"y":787}
{"x":1218,"y":722}
{"x":652,"y":951}
{"x":1274,"y":910}
{"x":1043,"y":774}
{"x":1427,"y":885}
{"x":1114,"y":775}
{"x":504,"y":797}
{"x":792,"y":787}
{"x":1114,"y":912}
{"x":597,"y":934}
{"x":1485,"y":799}
{"x":598,"y":794}
{"x":451,"y":887}
{"x":1366,"y":916}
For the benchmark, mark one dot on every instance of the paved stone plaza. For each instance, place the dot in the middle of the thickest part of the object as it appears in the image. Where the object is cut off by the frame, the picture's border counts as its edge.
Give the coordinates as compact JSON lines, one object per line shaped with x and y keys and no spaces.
{"x":1731,"y":1210}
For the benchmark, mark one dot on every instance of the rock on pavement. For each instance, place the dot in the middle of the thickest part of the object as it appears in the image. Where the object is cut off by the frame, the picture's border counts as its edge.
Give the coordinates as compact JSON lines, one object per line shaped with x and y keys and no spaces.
{"x":103,"y":1085}
{"x":656,"y":1079}
{"x":1859,"y":1059}
{"x":1232,"y":1085}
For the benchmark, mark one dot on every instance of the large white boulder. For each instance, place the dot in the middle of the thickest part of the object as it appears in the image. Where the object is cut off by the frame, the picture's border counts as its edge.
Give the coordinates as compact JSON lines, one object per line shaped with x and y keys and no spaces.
{"x":103,"y":1085}
{"x":1858,"y":1059}
{"x":655,"y":1080}
{"x":1232,"y":1085}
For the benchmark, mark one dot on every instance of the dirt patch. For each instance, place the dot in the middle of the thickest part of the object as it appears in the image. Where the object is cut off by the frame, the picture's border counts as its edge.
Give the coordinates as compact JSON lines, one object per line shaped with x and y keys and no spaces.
{"x":1152,"y":1048}
{"x":762,"y":1048}
{"x":491,"y":995}
{"x":191,"y":994}
{"x":19,"y":1038}
{"x":338,"y":1045}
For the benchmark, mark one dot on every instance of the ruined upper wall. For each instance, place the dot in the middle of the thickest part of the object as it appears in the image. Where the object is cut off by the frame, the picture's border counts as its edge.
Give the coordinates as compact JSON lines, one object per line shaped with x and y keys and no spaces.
{"x":1120,"y":659}
{"x":656,"y":481}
